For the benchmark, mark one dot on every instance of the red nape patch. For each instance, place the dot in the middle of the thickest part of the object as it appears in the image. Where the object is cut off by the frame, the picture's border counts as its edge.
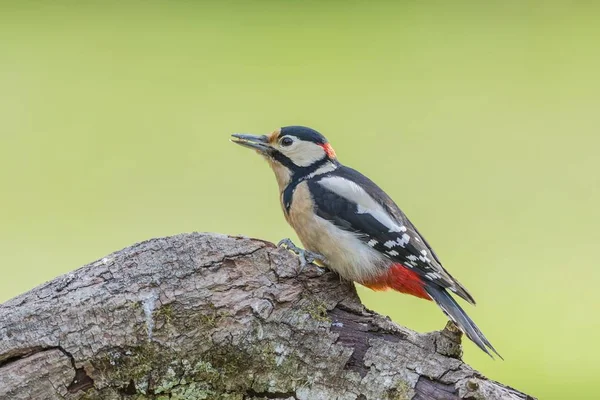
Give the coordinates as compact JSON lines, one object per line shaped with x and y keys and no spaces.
{"x":329,"y":150}
{"x":401,"y":279}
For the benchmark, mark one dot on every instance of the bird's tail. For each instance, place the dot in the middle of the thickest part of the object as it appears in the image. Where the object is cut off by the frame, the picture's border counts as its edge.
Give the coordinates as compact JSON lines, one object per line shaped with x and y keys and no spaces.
{"x":460,"y":318}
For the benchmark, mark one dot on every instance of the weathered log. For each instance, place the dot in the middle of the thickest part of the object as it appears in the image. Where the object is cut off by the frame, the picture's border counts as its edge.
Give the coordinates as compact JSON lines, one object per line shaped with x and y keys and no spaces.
{"x":206,"y":316}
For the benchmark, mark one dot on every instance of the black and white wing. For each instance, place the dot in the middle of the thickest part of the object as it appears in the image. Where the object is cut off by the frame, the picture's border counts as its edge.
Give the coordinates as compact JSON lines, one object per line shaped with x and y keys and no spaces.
{"x":354,"y":203}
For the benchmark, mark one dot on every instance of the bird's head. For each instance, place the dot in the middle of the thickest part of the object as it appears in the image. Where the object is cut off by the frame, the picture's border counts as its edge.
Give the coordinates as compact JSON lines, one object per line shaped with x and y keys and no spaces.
{"x":292,"y":151}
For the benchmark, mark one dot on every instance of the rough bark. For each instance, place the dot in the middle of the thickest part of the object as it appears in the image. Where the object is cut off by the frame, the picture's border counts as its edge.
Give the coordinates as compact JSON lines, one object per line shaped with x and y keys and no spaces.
{"x":205,"y":316}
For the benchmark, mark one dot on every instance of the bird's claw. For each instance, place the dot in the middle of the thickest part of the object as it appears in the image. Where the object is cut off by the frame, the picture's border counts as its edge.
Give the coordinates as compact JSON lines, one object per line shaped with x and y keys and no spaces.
{"x":306,"y":257}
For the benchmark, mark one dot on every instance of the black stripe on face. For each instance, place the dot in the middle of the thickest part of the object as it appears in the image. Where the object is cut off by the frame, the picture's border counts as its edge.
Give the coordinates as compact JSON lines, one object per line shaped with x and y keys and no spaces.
{"x":285,"y":161}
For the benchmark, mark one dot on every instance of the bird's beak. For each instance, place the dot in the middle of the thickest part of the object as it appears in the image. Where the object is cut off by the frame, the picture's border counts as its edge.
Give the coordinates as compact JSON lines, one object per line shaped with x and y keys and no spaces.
{"x":258,"y":143}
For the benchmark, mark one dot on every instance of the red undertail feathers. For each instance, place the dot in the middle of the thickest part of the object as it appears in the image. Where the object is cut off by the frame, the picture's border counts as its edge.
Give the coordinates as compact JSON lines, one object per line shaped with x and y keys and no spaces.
{"x":402,"y":279}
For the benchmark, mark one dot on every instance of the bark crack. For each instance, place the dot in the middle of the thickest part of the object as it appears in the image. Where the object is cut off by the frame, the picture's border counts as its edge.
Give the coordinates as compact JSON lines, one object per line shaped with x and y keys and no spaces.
{"x":428,"y":388}
{"x":18,"y":354}
{"x":269,"y":395}
{"x":81,"y":381}
{"x":356,"y":331}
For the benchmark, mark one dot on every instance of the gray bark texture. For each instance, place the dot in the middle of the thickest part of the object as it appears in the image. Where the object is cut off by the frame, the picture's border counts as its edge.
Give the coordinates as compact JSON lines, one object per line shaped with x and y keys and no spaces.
{"x":207,"y":316}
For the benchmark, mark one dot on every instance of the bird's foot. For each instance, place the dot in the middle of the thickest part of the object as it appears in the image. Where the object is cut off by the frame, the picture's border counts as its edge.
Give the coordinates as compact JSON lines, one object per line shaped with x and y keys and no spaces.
{"x":306,"y":256}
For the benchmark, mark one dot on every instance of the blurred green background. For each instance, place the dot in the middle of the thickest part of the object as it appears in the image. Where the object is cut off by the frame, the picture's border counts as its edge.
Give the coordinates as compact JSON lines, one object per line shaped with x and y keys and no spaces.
{"x":480,"y":119}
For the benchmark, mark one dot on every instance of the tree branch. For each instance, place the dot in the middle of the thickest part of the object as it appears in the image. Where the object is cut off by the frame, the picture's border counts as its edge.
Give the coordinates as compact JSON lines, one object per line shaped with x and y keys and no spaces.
{"x":205,"y":316}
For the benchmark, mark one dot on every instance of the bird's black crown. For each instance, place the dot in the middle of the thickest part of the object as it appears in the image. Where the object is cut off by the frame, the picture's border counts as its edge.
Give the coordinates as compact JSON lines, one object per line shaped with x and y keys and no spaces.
{"x":304,"y":133}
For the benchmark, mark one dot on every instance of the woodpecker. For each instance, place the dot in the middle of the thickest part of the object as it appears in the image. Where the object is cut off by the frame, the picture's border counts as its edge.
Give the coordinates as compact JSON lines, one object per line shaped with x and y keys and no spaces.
{"x":351,"y":226}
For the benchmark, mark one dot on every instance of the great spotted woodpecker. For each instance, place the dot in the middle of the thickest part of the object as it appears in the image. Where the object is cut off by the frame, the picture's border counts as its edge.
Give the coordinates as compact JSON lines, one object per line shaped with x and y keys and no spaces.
{"x":350,"y":225}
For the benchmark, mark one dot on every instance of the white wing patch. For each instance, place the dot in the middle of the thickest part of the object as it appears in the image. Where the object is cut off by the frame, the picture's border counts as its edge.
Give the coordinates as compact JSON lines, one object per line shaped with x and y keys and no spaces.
{"x":401,"y":228}
{"x":373,"y":242}
{"x":364,"y":202}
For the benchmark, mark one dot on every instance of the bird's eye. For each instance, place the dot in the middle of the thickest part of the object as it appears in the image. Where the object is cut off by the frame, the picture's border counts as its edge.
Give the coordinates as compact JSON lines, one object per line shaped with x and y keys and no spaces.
{"x":286,"y":141}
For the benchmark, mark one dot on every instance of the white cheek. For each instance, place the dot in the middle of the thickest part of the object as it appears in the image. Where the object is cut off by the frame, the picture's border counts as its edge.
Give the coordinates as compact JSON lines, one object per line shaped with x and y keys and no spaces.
{"x":304,"y":154}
